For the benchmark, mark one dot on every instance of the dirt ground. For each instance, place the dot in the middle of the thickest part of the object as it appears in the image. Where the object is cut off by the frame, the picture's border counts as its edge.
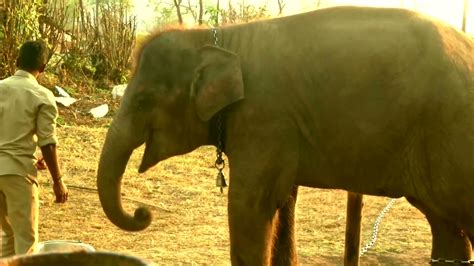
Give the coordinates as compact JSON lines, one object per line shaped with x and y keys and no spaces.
{"x":190,"y":217}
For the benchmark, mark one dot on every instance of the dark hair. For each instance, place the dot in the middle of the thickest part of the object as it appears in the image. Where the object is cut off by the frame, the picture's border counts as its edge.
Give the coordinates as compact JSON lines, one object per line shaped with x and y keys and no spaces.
{"x":33,"y":56}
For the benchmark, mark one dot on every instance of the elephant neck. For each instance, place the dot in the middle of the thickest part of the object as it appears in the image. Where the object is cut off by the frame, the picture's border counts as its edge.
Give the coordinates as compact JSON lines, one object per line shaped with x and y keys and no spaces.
{"x":217,"y":129}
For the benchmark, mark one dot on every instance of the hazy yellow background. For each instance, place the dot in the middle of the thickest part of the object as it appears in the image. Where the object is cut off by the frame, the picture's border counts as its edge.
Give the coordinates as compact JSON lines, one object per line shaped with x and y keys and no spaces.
{"x":450,"y":11}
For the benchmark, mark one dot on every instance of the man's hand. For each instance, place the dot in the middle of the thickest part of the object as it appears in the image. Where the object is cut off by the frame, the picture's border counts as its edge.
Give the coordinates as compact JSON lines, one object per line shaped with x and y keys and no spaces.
{"x":40,"y":164}
{"x":51,"y":159}
{"x":61,"y":191}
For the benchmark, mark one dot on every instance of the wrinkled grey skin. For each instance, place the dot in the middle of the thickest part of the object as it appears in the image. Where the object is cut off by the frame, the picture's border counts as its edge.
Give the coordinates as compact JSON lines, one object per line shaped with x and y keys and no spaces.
{"x":373,"y":101}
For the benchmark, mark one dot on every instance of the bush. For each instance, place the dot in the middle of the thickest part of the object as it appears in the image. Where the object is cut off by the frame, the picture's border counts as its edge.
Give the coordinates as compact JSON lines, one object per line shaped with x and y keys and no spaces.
{"x":87,"y":52}
{"x":100,"y":49}
{"x":20,"y":23}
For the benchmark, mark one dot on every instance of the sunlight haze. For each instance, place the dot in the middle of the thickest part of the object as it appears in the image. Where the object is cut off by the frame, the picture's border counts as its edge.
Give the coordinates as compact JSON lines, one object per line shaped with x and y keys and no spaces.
{"x":449,"y":11}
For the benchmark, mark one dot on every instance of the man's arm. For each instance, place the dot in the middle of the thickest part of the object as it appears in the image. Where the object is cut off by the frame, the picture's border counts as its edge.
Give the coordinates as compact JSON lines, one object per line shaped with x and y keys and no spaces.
{"x":46,"y":133}
{"x":51,"y":159}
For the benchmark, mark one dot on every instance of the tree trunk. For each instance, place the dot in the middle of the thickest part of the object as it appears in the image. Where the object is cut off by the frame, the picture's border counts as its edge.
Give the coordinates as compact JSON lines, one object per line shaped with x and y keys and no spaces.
{"x":201,"y":11}
{"x":281,"y":6}
{"x":177,"y":4}
{"x":97,"y":14}
{"x":218,"y":12}
{"x":81,"y":9}
{"x":464,"y":17}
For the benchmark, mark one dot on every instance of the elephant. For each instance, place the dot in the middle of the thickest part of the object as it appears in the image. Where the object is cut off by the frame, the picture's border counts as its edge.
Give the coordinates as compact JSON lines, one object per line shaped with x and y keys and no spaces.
{"x":374,"y":101}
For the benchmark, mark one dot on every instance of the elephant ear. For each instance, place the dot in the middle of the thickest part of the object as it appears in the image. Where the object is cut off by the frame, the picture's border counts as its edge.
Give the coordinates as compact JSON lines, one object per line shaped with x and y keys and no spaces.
{"x":217,"y":82}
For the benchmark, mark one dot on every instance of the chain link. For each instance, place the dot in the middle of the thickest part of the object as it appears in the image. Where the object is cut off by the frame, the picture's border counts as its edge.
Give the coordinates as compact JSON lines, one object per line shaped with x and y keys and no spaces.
{"x":433,"y":261}
{"x":216,"y":39}
{"x":220,"y":162}
{"x":375,"y":231}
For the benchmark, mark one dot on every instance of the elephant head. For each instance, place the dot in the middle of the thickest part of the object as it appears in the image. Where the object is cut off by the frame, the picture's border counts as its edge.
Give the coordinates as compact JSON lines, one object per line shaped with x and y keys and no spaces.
{"x":177,"y":87}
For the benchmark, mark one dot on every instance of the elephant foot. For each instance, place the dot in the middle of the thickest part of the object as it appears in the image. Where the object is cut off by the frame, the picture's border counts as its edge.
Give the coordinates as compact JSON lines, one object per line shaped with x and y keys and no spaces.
{"x":449,"y":241}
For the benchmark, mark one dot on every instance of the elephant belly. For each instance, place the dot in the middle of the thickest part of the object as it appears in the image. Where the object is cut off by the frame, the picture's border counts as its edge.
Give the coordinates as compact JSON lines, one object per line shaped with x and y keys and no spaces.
{"x":371,"y":174}
{"x":368,"y":185}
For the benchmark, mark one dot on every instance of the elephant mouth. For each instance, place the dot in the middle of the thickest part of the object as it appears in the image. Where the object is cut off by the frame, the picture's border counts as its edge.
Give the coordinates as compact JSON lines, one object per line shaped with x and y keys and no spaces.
{"x":149,"y":158}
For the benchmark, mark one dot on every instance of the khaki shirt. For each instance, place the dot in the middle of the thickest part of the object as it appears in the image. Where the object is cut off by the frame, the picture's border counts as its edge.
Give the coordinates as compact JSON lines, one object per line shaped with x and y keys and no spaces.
{"x":28,"y":114}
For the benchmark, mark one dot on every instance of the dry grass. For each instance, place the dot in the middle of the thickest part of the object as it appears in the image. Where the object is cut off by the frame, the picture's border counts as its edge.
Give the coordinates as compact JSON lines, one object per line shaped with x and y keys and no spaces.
{"x":190,"y":222}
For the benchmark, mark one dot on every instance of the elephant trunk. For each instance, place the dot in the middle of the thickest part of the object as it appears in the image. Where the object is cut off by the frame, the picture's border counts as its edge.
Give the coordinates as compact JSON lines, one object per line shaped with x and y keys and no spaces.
{"x":112,"y":164}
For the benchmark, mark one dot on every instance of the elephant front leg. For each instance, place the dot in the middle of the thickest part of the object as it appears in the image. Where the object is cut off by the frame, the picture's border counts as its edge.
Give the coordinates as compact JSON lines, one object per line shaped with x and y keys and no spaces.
{"x":263,"y":171}
{"x":284,"y":248}
{"x":254,"y":201}
{"x":250,"y":232}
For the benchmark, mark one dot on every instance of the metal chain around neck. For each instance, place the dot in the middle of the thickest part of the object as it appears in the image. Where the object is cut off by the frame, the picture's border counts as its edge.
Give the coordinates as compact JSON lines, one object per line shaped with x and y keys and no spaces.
{"x":376,"y":227}
{"x":220,"y":162}
{"x":216,"y":39}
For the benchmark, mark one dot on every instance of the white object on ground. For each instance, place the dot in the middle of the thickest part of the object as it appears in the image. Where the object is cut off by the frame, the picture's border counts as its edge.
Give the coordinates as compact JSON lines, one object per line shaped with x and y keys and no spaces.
{"x":63,"y":246}
{"x":118,"y":91}
{"x":99,"y":111}
{"x":65,"y":101}
{"x":62,"y":92}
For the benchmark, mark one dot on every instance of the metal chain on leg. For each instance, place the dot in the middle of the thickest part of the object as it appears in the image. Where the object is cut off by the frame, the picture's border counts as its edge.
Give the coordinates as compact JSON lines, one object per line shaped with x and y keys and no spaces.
{"x":376,"y":231}
{"x":467,"y":262}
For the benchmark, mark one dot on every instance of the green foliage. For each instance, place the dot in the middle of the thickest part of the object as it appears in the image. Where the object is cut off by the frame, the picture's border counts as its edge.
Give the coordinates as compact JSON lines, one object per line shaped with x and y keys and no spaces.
{"x":94,"y":50}
{"x":21,"y":23}
{"x":213,"y":15}
{"x":118,"y":30}
{"x":89,"y":51}
{"x":103,"y":44}
{"x":212,"y":12}
{"x":243,"y":13}
{"x":165,"y":12}
{"x":75,"y":63}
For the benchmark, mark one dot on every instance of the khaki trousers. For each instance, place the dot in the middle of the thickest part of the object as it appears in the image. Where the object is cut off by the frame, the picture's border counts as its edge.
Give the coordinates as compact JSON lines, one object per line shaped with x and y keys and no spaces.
{"x":19,"y":207}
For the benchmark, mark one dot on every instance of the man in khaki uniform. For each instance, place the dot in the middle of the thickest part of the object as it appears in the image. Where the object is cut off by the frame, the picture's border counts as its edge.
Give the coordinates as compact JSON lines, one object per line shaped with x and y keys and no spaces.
{"x":28,"y":115}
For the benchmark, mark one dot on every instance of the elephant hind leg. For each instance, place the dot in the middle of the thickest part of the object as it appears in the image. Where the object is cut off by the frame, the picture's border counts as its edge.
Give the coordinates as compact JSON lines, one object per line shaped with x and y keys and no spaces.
{"x":471,"y":238}
{"x":449,"y":240}
{"x":470,"y":230}
{"x":283,"y":246}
